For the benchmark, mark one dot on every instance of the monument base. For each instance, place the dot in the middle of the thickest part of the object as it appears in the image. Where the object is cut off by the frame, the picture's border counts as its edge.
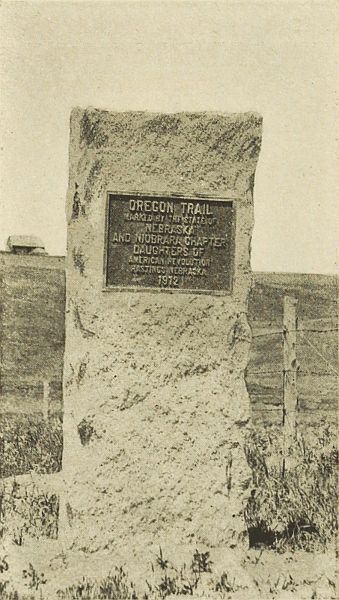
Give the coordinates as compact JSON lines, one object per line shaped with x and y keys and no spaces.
{"x":158,"y":426}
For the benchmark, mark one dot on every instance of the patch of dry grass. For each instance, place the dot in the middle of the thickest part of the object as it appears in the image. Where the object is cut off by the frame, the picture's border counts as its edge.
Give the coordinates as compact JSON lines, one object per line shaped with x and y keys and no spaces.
{"x":297,"y":509}
{"x":30,"y":443}
{"x":26,"y":511}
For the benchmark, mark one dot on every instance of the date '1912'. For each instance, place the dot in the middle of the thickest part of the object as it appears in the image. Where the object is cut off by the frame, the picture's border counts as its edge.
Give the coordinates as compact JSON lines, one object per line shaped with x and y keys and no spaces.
{"x":168,"y":281}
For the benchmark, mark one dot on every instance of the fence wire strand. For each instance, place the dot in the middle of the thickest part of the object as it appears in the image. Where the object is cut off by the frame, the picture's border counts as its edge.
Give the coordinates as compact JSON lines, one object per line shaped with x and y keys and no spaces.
{"x":299,"y":372}
{"x":298,"y":330}
{"x":319,"y":353}
{"x":301,"y":329}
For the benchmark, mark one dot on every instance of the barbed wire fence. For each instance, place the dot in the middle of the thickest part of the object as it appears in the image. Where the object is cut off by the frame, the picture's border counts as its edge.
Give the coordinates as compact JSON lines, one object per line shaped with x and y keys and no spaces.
{"x":291,"y":367}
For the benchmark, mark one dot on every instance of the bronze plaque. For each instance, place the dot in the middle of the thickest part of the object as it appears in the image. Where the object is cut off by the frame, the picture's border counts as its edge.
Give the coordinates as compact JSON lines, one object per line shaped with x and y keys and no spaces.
{"x":169,"y":243}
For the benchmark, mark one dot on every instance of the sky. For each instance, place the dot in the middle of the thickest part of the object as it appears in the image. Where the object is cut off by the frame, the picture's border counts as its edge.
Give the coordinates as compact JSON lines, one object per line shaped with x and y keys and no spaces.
{"x":276,"y":58}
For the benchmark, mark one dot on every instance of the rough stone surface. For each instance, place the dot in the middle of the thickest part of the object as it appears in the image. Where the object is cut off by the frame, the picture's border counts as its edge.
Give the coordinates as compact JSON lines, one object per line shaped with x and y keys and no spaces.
{"x":155,"y":399}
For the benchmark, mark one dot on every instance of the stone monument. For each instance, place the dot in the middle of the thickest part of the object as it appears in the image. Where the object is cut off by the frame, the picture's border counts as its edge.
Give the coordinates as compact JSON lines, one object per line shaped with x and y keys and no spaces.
{"x":160,"y":216}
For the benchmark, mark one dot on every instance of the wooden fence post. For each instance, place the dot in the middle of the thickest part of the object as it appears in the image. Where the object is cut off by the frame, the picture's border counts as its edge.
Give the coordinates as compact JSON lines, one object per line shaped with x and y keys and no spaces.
{"x":290,"y":396}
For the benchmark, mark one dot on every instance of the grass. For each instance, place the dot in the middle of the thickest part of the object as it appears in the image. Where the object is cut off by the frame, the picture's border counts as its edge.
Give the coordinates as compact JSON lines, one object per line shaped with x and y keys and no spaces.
{"x":115,"y":586}
{"x":26,"y":511}
{"x":297,"y":510}
{"x":171,"y":581}
{"x":166,"y":581}
{"x":30,"y":443}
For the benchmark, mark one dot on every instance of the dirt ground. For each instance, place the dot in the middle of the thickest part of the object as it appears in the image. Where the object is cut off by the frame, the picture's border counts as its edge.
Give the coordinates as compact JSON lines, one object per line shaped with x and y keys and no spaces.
{"x":256,"y":574}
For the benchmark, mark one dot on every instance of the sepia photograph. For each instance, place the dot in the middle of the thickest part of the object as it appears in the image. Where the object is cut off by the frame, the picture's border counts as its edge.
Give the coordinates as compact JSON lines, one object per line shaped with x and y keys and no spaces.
{"x":169,"y":300}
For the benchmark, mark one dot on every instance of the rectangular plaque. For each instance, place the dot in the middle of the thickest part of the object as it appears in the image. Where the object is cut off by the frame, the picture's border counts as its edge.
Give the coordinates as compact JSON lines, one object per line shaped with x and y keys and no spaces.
{"x":169,"y":243}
